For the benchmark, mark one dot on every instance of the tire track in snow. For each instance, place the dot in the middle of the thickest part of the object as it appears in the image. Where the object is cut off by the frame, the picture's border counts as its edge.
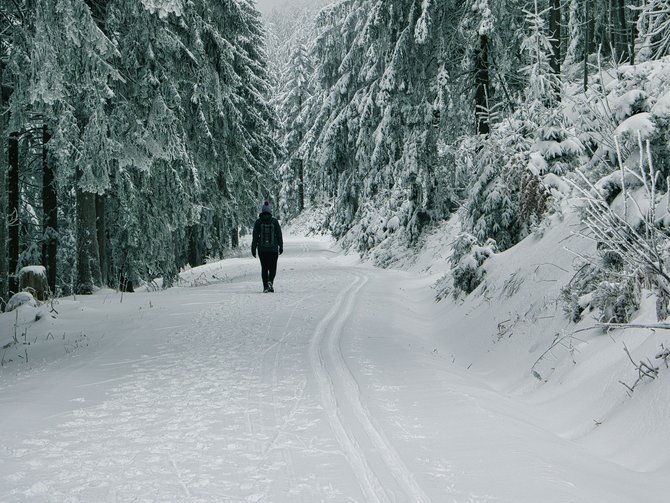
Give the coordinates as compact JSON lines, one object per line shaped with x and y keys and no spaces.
{"x":339,"y":389}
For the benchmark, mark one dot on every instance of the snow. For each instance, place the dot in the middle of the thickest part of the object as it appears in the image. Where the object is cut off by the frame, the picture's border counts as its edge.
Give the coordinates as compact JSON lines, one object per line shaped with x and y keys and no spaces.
{"x":422,"y":24}
{"x":556,"y":182}
{"x":35,"y":270}
{"x":661,"y":108}
{"x":393,"y":223}
{"x":662,"y":213}
{"x":536,"y":163}
{"x":633,"y":207}
{"x":348,"y":384}
{"x":622,"y":106}
{"x":19,"y":299}
{"x":164,"y":7}
{"x":641,"y":124}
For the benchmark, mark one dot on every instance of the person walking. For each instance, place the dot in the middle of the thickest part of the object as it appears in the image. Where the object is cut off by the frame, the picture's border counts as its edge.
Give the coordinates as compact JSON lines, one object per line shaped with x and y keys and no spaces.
{"x":267,"y":240}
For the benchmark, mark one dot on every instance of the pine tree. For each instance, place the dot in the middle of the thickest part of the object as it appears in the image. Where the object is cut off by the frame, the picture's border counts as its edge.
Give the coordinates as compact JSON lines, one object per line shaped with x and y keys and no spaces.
{"x":159,"y":116}
{"x":63,"y":71}
{"x":374,"y":117}
{"x":654,"y":28}
{"x":291,"y":104}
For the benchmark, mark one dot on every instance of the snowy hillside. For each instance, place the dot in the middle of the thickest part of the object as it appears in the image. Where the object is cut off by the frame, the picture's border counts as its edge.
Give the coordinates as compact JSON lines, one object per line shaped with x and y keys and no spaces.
{"x":513,"y":329}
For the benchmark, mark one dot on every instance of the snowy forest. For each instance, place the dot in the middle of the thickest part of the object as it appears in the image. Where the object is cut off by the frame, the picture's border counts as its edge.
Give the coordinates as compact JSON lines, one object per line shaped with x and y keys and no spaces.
{"x":399,"y":114}
{"x":461,"y":210}
{"x":139,"y":137}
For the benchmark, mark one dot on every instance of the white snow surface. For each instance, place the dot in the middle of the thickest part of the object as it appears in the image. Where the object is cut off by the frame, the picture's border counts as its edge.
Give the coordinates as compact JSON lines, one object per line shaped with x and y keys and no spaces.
{"x":36,"y":270}
{"x":661,"y":108}
{"x":640,"y":124}
{"x":19,"y":299}
{"x":349,"y":384}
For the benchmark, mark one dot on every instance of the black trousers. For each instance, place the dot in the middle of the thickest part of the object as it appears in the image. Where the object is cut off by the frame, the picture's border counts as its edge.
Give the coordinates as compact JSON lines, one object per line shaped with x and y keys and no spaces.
{"x":268,"y":266}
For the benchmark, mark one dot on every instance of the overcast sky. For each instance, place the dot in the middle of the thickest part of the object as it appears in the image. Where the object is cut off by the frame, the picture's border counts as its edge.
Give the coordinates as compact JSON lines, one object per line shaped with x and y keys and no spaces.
{"x":266,"y":5}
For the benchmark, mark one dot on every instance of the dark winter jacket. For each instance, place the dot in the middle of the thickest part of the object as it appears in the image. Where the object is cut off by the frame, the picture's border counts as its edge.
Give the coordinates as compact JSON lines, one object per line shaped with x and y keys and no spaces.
{"x":277,"y":246}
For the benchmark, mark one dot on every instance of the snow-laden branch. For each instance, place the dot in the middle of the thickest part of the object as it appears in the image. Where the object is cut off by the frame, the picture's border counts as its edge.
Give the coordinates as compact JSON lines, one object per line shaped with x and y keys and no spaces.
{"x":637,"y":242}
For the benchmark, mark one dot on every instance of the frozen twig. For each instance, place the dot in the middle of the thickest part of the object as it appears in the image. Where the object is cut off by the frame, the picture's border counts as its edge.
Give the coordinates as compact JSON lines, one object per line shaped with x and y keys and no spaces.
{"x":644,"y":369}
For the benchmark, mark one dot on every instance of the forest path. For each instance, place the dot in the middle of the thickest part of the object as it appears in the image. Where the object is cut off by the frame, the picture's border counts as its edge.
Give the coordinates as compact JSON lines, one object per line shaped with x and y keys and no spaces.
{"x":332,"y":389}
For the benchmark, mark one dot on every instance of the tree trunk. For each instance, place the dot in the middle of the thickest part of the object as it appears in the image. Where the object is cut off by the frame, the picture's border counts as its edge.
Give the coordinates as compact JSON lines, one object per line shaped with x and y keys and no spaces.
{"x":633,"y":33}
{"x":587,"y":41}
{"x":49,"y":214}
{"x":235,"y":237}
{"x":195,"y":257}
{"x":13,"y":212}
{"x":101,"y":228}
{"x":3,"y":199}
{"x":590,"y":20}
{"x":623,"y":50}
{"x":555,"y":35}
{"x":301,"y":185}
{"x":3,"y":238}
{"x":88,"y":259}
{"x":482,"y":86}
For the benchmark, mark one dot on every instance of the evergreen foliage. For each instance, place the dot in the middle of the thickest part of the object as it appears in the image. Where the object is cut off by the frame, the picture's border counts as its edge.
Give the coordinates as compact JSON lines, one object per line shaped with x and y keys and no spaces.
{"x":166,"y":123}
{"x":160,"y":119}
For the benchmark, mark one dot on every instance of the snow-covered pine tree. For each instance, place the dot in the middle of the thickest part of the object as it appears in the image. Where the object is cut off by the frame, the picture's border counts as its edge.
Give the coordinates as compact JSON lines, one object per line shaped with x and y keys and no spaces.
{"x":554,"y":148}
{"x":233,"y":126}
{"x":203,"y":142}
{"x":375,"y":116}
{"x":293,"y":98}
{"x":63,"y":71}
{"x":159,"y":112}
{"x":292,"y":35}
{"x":493,"y":207}
{"x":653,"y":26}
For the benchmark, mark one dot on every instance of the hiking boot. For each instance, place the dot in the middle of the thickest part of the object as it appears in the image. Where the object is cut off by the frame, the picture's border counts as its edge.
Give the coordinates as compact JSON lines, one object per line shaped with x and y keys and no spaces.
{"x":270,"y":287}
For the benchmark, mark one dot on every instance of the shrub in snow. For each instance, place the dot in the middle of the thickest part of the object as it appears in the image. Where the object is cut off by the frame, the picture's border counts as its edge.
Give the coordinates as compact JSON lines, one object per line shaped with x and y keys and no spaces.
{"x":600,"y":285}
{"x":634,"y":250}
{"x":466,"y":262}
{"x":577,"y":295}
{"x":533,"y":198}
{"x":617,"y":300}
{"x":19,"y":299}
{"x":610,"y":186}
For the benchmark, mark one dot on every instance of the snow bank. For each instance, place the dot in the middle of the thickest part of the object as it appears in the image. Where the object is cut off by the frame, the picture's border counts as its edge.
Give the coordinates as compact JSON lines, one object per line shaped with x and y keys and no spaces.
{"x":513,"y":333}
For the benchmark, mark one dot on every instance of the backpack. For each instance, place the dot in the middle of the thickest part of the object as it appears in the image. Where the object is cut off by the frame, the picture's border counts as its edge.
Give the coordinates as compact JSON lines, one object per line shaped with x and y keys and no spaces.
{"x":268,"y":240}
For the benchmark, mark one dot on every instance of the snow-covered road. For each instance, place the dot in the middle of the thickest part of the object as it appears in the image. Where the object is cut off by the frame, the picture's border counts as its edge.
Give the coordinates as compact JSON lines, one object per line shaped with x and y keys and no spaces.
{"x":336,"y":388}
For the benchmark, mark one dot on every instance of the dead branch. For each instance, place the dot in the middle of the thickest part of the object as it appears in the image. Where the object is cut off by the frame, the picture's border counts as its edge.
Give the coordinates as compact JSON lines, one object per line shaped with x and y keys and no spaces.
{"x":651,"y":326}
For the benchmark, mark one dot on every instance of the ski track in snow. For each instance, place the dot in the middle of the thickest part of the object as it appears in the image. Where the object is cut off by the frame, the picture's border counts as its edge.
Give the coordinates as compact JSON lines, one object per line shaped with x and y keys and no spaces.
{"x":346,"y":413}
